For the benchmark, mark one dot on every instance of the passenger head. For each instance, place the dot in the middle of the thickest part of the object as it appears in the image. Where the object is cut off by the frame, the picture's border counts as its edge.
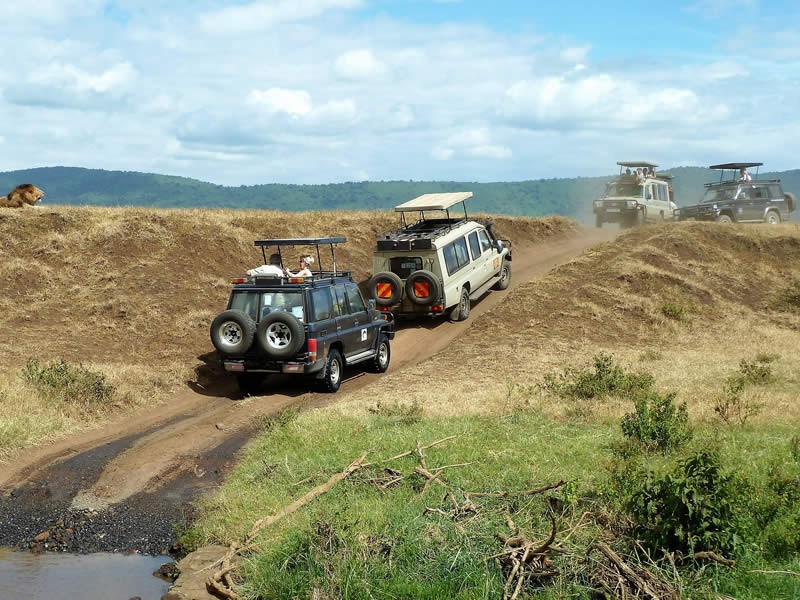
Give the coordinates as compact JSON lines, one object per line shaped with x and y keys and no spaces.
{"x":307,"y":261}
{"x":275,"y":259}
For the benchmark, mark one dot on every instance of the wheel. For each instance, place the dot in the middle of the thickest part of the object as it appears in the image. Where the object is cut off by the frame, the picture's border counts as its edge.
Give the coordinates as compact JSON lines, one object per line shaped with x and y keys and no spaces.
{"x":773,"y":218}
{"x":598,"y":221}
{"x":250,"y":383}
{"x":640,"y":217}
{"x":386,"y":288}
{"x":232,"y":332}
{"x":505,"y":277}
{"x":332,"y":374}
{"x":280,"y":334}
{"x":380,"y":363}
{"x":422,"y":287}
{"x":725,"y":219}
{"x":791,"y":201}
{"x":461,"y":310}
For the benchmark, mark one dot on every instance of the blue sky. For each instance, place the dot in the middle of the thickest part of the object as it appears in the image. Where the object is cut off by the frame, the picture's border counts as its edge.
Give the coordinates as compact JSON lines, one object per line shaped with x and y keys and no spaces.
{"x":318,"y":91}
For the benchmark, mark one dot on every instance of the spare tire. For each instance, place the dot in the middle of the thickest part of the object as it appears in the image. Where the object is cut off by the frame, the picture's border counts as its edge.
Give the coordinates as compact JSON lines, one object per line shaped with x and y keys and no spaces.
{"x":791,"y":201}
{"x":232,"y":332}
{"x":422,"y":287}
{"x":386,"y":288}
{"x":280,"y":334}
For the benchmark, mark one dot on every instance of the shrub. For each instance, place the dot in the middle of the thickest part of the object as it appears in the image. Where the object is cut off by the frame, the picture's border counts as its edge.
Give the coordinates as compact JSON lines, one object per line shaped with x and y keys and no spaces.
{"x":689,"y":510}
{"x":402,"y":414}
{"x":657,"y":423}
{"x":732,"y":406}
{"x":604,"y":378}
{"x":674,"y":311}
{"x":62,"y":382}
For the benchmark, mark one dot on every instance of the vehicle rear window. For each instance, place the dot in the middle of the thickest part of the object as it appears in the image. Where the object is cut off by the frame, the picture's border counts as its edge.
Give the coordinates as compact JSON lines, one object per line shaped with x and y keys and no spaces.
{"x":247,"y":302}
{"x":403,"y":266}
{"x":291,"y":302}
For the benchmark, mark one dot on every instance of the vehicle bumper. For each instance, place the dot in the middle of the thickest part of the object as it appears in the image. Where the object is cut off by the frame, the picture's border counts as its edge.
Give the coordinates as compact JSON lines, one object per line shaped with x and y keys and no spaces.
{"x":248,"y":365}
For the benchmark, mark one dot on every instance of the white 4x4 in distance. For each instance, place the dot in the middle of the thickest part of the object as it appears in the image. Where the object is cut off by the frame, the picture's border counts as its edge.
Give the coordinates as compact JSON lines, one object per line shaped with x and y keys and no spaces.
{"x":437,"y":264}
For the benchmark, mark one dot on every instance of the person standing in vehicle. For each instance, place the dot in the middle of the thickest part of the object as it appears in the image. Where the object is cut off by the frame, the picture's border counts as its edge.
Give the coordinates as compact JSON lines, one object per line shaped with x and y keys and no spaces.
{"x":744,"y":175}
{"x":305,"y":267}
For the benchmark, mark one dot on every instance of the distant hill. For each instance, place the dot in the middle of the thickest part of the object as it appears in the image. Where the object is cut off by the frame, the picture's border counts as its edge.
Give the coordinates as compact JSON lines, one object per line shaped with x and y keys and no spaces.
{"x":565,"y":196}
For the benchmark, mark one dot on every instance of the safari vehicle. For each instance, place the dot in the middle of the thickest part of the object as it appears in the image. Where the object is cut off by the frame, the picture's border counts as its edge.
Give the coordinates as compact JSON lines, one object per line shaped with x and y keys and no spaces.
{"x":309,"y":326}
{"x":438,"y":263}
{"x":630,"y":200}
{"x":736,"y":199}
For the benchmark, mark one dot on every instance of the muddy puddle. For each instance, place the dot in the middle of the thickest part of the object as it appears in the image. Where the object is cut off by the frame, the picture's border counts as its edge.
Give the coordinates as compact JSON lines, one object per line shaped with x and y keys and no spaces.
{"x":102,"y":576}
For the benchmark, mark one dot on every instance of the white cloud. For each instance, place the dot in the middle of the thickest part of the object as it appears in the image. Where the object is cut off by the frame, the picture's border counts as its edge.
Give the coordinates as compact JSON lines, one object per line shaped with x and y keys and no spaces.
{"x":359,"y":64}
{"x":601,"y":102}
{"x":291,"y":102}
{"x":268,"y":14}
{"x":472,"y":143}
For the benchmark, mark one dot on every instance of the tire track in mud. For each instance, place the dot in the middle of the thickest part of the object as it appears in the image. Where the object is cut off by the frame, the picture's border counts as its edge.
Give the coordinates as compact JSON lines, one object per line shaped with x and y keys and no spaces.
{"x":125,"y":486}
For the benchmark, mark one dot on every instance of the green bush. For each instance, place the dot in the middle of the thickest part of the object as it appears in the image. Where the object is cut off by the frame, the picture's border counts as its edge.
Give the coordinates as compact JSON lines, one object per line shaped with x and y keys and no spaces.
{"x":604,"y":377}
{"x":62,"y":382}
{"x":657,"y":423}
{"x":691,"y":509}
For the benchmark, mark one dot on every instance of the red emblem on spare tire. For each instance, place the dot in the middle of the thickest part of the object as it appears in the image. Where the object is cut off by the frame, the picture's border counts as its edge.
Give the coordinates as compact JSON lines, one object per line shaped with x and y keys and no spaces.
{"x":386,"y":288}
{"x":422,"y":287}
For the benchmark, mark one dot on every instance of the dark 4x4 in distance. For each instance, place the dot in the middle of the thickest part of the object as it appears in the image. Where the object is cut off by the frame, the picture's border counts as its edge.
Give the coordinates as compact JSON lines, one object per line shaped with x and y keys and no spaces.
{"x":310,"y":326}
{"x":741,"y":199}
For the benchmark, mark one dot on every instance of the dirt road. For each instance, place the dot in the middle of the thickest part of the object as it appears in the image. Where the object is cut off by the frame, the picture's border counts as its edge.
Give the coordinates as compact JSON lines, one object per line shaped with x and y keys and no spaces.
{"x":123,"y":486}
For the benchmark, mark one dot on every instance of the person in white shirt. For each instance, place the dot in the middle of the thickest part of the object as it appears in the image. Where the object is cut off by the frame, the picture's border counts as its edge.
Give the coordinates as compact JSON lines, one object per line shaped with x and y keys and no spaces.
{"x":273,"y":268}
{"x":744,"y":175}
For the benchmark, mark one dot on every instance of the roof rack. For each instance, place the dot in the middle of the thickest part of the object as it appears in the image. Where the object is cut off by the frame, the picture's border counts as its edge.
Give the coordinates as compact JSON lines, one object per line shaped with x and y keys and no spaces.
{"x":636,"y":164}
{"x":280,"y":243}
{"x":733,"y":166}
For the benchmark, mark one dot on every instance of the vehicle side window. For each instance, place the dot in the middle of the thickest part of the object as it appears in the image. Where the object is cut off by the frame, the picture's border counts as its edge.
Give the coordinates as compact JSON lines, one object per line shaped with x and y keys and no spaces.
{"x":322,"y":304}
{"x":474,"y":245}
{"x":356,"y":301}
{"x":339,"y":302}
{"x":775,"y":192}
{"x":758,"y":192}
{"x":484,"y":237}
{"x":456,"y":255}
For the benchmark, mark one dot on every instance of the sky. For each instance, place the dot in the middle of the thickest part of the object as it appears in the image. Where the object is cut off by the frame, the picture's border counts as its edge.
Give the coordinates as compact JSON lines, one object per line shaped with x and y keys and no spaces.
{"x":327,"y":91}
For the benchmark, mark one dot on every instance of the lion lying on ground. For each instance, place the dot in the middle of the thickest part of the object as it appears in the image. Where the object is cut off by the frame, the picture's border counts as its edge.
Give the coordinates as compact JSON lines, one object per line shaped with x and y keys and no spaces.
{"x":26,"y":194}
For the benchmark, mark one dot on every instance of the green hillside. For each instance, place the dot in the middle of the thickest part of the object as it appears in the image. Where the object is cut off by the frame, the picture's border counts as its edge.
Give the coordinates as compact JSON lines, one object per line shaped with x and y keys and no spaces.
{"x":568,"y":197}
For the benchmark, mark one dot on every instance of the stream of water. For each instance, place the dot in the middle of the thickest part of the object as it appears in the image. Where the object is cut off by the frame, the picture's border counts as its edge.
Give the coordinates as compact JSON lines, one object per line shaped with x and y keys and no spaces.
{"x":50,"y":576}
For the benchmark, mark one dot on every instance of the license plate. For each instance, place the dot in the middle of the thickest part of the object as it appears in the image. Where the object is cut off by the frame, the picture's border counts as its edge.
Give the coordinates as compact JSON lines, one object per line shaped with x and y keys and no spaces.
{"x":236,"y":367}
{"x":612,"y":210}
{"x":292,"y":368}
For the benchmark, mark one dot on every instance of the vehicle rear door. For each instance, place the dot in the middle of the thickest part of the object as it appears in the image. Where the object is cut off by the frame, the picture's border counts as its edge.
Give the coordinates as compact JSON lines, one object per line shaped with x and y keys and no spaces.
{"x":364,"y":331}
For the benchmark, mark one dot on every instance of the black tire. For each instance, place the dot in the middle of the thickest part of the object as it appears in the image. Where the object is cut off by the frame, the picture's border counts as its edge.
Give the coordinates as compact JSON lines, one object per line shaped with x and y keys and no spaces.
{"x":773,"y":217}
{"x":725,"y":219}
{"x":250,"y":383}
{"x":332,"y":374}
{"x":380,"y":362}
{"x":280,"y":334}
{"x":232,"y":332}
{"x":461,"y":310}
{"x":505,"y":277}
{"x":640,"y":218}
{"x":598,"y":222}
{"x":386,"y":277}
{"x":423,"y":276}
{"x":791,"y":201}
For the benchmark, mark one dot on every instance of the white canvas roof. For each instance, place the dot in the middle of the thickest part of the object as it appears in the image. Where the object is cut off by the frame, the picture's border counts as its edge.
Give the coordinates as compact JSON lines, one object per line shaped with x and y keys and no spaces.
{"x":441,"y":201}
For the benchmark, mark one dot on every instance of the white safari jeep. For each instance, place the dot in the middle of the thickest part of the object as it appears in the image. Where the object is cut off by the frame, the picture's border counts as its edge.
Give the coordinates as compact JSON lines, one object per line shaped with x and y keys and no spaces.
{"x":437,"y":264}
{"x":637,"y":195}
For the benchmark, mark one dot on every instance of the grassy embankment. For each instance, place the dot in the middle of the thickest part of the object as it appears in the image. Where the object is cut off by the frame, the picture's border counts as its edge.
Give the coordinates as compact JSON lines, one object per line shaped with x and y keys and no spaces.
{"x":658,"y":376}
{"x":114,"y":304}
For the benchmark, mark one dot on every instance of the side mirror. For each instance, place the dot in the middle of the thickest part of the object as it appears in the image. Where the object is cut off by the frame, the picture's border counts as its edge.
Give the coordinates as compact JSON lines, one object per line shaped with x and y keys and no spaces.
{"x":499,"y":246}
{"x":371,"y":304}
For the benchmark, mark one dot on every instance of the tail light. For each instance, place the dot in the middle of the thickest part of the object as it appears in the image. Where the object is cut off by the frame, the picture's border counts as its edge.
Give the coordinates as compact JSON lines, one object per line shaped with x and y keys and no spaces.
{"x":422,"y":289}
{"x":239,"y":279}
{"x":312,"y":349}
{"x":437,"y":308}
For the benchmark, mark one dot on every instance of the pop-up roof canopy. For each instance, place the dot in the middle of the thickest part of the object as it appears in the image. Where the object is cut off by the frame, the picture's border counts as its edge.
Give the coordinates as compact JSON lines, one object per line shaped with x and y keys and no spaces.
{"x":726,"y":166}
{"x":635,"y":164}
{"x":441,"y":201}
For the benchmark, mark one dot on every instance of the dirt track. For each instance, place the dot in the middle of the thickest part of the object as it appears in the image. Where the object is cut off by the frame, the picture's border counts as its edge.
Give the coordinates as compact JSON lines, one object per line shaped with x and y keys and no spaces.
{"x":146,"y":468}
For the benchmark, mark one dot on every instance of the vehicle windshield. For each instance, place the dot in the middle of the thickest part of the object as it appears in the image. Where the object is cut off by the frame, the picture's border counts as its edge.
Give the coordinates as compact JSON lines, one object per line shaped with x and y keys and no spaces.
{"x":616,"y":189}
{"x":258,"y":304}
{"x":718,"y":195}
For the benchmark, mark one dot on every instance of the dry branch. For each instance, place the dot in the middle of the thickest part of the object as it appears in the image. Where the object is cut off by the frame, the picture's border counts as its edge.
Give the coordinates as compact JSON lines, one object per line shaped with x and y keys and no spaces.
{"x":552,"y":486}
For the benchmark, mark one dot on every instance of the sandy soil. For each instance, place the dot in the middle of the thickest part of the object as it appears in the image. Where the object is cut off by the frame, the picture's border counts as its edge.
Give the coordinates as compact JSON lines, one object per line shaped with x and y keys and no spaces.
{"x":182,"y":447}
